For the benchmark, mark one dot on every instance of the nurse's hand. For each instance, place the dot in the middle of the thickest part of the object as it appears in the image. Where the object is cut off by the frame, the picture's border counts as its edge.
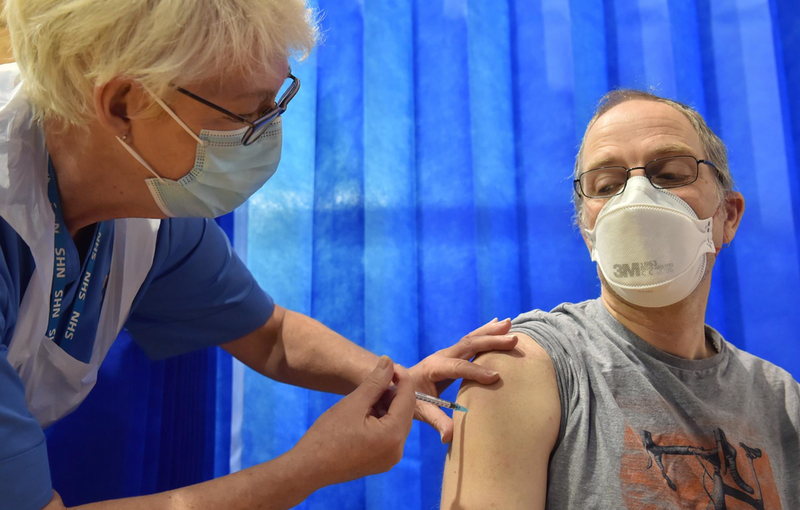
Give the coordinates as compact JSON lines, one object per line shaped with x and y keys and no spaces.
{"x":435,"y":373}
{"x":365,"y":432}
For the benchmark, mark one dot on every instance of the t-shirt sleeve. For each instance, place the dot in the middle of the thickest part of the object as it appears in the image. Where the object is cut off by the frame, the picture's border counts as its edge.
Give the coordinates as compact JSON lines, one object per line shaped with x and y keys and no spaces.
{"x":198,"y":292}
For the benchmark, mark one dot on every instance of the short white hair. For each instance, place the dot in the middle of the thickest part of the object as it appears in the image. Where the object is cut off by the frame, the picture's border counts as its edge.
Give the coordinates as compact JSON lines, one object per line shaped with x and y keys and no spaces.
{"x":65,"y":48}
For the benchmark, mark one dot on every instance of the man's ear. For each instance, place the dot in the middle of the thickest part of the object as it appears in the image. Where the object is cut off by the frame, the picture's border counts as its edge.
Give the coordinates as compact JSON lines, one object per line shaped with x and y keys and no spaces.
{"x":733,"y":209}
{"x":114,"y":102}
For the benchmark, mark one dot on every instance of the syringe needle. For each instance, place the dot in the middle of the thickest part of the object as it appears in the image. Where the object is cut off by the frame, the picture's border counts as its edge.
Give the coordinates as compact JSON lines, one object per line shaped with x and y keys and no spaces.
{"x":441,"y":403}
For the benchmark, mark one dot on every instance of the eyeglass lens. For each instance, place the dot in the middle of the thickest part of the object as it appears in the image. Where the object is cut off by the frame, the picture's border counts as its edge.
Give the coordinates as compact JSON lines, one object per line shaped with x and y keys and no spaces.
{"x":663,"y":173}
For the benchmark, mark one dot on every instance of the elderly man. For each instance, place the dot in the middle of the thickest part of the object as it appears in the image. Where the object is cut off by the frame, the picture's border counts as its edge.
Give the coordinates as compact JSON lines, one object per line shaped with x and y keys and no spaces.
{"x":630,"y":400}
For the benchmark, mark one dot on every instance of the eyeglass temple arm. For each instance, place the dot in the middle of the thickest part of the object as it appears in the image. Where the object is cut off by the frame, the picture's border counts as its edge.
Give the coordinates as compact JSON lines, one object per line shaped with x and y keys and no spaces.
{"x":294,"y":89}
{"x":212,"y":105}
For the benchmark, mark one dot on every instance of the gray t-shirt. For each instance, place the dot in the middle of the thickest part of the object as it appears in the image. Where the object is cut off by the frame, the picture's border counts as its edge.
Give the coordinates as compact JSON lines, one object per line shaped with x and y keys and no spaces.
{"x":642,"y":429}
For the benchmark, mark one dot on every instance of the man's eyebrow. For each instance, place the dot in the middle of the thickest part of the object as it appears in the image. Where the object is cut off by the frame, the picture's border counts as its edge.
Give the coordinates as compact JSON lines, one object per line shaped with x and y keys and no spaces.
{"x":603,"y":161}
{"x":654,"y":153}
{"x":670,"y":148}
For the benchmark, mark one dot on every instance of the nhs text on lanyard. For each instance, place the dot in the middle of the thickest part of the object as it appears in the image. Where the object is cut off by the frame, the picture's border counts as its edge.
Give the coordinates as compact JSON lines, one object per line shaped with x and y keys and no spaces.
{"x":57,"y":304}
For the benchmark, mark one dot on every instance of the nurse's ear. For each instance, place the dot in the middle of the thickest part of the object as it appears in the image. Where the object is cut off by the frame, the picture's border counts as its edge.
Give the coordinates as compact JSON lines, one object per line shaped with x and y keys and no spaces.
{"x":115,"y":102}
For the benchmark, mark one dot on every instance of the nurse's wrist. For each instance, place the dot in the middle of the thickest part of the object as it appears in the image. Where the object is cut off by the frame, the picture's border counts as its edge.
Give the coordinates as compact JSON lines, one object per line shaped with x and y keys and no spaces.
{"x":302,"y":473}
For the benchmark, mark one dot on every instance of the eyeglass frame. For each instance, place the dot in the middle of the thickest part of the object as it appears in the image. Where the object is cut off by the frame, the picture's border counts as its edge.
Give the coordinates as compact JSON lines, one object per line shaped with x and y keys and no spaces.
{"x":272,"y":114}
{"x":576,"y":183}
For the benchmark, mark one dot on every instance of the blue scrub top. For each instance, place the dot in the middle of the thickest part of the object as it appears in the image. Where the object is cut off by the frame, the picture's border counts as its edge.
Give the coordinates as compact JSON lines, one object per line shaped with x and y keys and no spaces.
{"x":197,"y":294}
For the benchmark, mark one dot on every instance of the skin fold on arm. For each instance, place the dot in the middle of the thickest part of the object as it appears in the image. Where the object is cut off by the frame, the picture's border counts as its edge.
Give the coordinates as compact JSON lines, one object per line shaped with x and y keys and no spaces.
{"x":501,"y":447}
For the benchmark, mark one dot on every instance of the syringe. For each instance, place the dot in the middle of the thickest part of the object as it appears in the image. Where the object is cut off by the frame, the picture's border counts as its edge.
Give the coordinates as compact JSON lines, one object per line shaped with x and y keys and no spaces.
{"x":441,"y":403}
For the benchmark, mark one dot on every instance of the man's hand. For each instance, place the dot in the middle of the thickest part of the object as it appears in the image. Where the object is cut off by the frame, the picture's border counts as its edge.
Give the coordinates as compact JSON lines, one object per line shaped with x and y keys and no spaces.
{"x":435,"y":373}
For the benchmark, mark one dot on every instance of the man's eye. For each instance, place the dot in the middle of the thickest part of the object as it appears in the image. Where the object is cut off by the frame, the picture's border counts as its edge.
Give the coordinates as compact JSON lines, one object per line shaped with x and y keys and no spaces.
{"x":668,"y":177}
{"x":609,"y":188}
{"x":608,"y":183}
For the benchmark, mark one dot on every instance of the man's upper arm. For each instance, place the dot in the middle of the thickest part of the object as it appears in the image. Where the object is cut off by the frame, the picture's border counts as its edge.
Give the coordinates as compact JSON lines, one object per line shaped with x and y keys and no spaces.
{"x":501,"y":447}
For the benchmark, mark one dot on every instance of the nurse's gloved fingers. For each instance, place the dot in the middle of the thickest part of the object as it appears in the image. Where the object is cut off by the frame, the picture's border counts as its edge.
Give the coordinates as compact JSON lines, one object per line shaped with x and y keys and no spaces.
{"x":436,"y":418}
{"x":470,"y":346}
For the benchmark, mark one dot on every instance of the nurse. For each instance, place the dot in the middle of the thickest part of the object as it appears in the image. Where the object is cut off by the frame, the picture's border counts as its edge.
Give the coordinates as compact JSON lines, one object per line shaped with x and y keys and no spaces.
{"x":125,"y":126}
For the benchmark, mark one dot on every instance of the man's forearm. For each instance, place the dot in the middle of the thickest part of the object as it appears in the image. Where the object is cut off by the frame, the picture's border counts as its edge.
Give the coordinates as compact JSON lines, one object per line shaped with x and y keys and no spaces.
{"x":280,"y":484}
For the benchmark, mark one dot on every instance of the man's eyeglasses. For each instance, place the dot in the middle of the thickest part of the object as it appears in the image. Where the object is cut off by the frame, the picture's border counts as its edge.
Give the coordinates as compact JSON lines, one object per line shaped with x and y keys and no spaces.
{"x":663,"y":173}
{"x":260,"y":125}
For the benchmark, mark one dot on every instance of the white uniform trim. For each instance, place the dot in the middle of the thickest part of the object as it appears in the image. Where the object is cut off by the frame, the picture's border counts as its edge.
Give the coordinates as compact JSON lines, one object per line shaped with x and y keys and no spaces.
{"x":55,"y":382}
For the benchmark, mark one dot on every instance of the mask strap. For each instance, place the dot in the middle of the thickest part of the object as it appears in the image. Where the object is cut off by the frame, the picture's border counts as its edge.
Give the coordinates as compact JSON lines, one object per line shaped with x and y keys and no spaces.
{"x":724,"y":245}
{"x":172,"y":114}
{"x":139,"y":158}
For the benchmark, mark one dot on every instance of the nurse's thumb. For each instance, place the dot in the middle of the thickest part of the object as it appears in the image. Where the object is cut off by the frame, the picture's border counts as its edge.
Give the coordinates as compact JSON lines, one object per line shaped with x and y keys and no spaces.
{"x":370,"y":391}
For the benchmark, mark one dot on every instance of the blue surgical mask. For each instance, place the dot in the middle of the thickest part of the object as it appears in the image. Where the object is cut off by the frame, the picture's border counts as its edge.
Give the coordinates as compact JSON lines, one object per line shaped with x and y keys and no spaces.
{"x":225,"y":173}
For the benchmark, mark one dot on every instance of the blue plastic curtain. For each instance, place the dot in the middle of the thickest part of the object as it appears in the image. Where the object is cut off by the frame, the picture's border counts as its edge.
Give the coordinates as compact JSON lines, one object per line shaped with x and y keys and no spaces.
{"x":425,"y":189}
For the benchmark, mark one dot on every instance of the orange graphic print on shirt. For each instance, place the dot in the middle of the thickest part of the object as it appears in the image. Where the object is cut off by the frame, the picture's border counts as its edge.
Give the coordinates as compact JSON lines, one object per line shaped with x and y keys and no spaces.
{"x":713,"y":472}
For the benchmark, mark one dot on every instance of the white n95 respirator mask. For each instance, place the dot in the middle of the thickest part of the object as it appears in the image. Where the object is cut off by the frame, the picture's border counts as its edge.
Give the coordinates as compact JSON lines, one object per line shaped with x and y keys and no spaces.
{"x":650,"y":245}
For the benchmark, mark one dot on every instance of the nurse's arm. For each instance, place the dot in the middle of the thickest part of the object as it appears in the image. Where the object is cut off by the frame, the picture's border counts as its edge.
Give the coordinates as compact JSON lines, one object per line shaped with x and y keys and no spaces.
{"x":362,"y":434}
{"x":279,"y":484}
{"x":501,"y":447}
{"x":295,"y":349}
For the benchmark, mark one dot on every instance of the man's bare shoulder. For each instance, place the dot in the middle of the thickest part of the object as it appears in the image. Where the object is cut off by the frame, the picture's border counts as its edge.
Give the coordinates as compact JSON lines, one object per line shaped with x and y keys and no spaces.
{"x":527,"y":362}
{"x":527,"y":389}
{"x":501,"y":447}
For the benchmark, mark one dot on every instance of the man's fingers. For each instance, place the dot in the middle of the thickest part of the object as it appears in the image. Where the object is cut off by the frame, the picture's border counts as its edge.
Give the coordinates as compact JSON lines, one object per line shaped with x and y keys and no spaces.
{"x":436,"y":418}
{"x":470,"y":346}
{"x":376,"y":383}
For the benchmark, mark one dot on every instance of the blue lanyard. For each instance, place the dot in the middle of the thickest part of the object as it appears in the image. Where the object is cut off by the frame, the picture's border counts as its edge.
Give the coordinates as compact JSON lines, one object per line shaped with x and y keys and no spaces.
{"x":62,"y":240}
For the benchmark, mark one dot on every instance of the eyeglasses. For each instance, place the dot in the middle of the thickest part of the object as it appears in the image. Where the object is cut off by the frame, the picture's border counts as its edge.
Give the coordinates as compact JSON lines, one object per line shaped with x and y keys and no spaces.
{"x":259,"y":126}
{"x":663,"y":173}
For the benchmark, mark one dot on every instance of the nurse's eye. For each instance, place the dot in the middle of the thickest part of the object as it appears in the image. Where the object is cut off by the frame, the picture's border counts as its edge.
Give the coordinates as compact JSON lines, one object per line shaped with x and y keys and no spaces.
{"x":262,"y":110}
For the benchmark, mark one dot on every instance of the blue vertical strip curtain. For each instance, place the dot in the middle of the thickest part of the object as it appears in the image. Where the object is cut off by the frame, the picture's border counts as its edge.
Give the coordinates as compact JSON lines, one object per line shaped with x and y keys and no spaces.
{"x":425,"y":183}
{"x":425,"y":189}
